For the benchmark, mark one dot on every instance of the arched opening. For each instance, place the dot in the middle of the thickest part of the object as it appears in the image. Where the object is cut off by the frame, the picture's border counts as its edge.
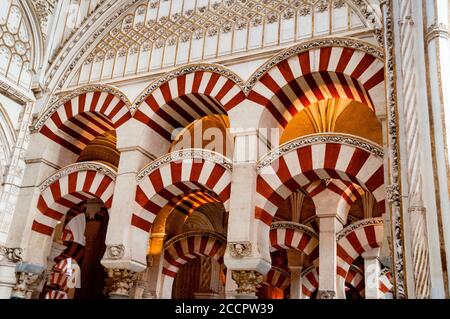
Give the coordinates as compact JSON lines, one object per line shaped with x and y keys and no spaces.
{"x":82,"y":234}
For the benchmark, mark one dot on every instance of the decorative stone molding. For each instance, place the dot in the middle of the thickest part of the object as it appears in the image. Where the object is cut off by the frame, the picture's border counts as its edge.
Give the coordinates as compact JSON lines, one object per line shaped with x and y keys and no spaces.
{"x":363,"y":144}
{"x":194,"y":234}
{"x":362,"y":223}
{"x":118,"y":29}
{"x":122,"y":281}
{"x":78,"y":167}
{"x":13,"y":255}
{"x":307,"y":46}
{"x":295,"y":226}
{"x":248,"y":281}
{"x":115,"y":251}
{"x":437,"y":30}
{"x":240,"y":249}
{"x":23,"y":287}
{"x":393,"y":194}
{"x":61,"y":100}
{"x":182,"y":155}
{"x":186,"y":70}
{"x":326,"y":294}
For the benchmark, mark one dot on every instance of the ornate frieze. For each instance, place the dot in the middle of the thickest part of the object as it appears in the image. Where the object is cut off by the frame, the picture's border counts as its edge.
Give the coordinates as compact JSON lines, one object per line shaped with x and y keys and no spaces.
{"x":362,"y":223}
{"x":184,"y":155}
{"x":78,"y":167}
{"x":295,"y":226}
{"x":319,"y":139}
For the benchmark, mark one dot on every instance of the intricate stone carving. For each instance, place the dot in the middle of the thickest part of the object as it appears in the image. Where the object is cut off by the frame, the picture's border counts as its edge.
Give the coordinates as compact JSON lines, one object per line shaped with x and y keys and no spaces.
{"x":77,"y":167}
{"x":13,"y":255}
{"x":362,"y":223}
{"x":437,"y":30}
{"x":326,"y":294}
{"x":23,"y":287}
{"x":366,"y":145}
{"x":248,"y":281}
{"x":122,"y":281}
{"x":224,"y":15}
{"x":188,"y":154}
{"x":295,"y":226}
{"x":393,"y":194}
{"x":240,"y":249}
{"x":393,"y":145}
{"x":115,"y":251}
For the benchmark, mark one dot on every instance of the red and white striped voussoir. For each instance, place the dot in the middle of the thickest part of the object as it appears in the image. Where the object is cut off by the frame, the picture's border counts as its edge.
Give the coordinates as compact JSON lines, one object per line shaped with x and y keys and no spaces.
{"x":315,"y":75}
{"x":310,"y":282}
{"x":302,"y":166}
{"x":187,"y":204}
{"x":84,"y":117}
{"x":356,"y":280}
{"x":287,"y":238}
{"x":69,"y":190}
{"x":188,"y":97}
{"x":187,"y":248}
{"x":363,"y":236}
{"x":385,"y":286}
{"x":175,"y":178}
{"x":278,"y":278}
{"x":56,"y":294}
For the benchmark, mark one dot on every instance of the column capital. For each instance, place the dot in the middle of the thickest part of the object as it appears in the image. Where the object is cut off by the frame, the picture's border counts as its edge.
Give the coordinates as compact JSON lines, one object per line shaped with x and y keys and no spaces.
{"x":12,"y":255}
{"x":248,"y":282}
{"x":326,"y":294}
{"x":25,"y":281}
{"x":122,"y":282}
{"x":371,"y":254}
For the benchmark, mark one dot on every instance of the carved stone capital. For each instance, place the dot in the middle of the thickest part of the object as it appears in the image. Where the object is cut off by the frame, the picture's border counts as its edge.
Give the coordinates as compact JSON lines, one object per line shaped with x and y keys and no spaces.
{"x":122,"y":282}
{"x":25,"y":281}
{"x":248,"y":281}
{"x":13,"y":255}
{"x":326,"y":294}
{"x":240,"y":249}
{"x":115,"y":251}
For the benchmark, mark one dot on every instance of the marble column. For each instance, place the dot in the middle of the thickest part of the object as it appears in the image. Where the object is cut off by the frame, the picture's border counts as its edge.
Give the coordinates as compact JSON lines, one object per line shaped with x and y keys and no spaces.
{"x":329,"y":226}
{"x":8,"y":259}
{"x":372,"y":273}
{"x":245,"y":252}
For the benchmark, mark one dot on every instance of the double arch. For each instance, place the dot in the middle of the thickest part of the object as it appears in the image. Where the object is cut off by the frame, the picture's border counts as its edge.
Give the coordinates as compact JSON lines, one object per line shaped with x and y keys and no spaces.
{"x":61,"y":192}
{"x":186,"y":247}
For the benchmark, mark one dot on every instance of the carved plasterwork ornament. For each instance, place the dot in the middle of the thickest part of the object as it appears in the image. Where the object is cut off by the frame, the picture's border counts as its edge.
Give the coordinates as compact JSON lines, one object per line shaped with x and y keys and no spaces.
{"x":118,"y":29}
{"x":240,"y":249}
{"x":13,"y":255}
{"x":116,"y":251}
{"x":248,"y":281}
{"x":326,"y":294}
{"x":122,"y":281}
